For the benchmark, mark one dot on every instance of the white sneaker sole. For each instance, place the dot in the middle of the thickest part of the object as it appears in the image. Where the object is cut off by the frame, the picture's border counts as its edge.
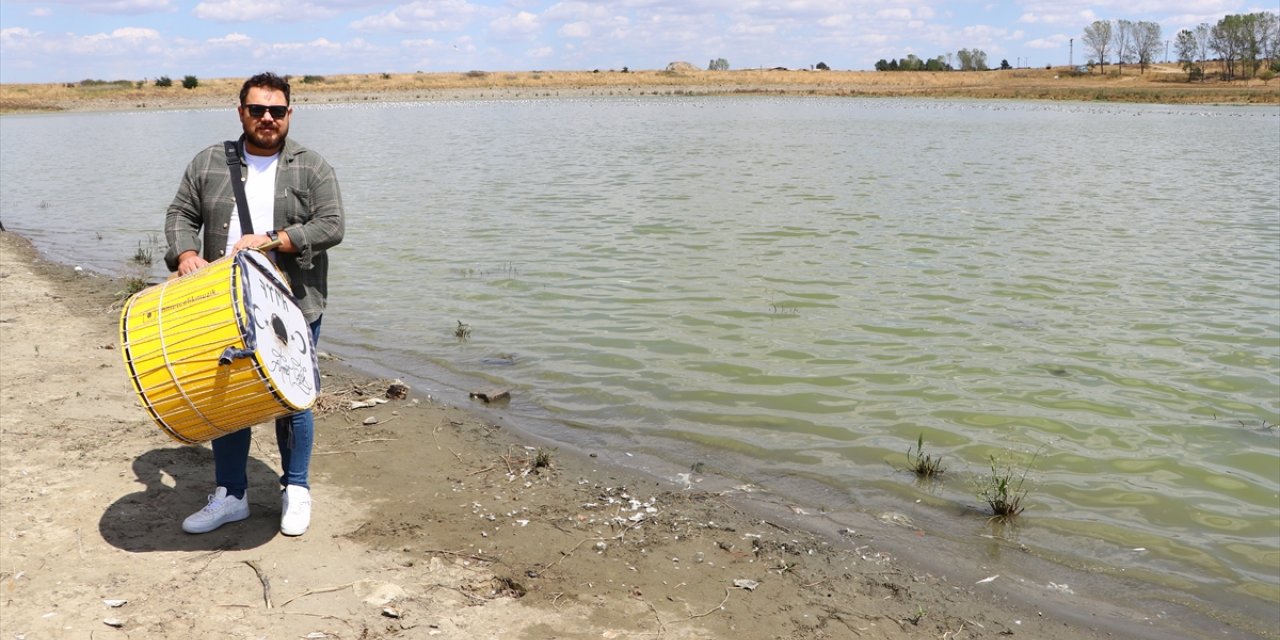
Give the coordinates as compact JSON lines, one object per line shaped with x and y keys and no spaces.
{"x":213,"y":526}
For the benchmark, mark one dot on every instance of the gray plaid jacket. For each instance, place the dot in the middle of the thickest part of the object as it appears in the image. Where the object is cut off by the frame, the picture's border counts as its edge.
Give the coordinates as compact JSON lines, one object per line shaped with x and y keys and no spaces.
{"x":308,"y":207}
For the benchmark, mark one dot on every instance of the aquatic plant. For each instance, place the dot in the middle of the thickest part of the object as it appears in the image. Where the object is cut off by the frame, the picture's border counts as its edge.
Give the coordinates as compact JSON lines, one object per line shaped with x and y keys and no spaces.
{"x":462,"y":331}
{"x":923,"y":465}
{"x":145,"y":255}
{"x":1004,"y":490}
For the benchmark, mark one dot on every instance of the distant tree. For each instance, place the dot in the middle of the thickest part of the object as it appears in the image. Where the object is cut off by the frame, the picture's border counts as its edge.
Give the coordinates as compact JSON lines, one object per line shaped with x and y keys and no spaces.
{"x":1227,"y":39}
{"x":882,"y":65}
{"x":1269,"y":38}
{"x":1122,"y":42}
{"x":190,"y":82}
{"x":937,"y":64}
{"x":911,"y":63}
{"x":1204,"y":35}
{"x":972,"y":60}
{"x":1266,"y":75}
{"x":1146,"y":43}
{"x":893,"y":64}
{"x":719,"y":64}
{"x":1097,"y":38}
{"x":1004,"y":64}
{"x":1188,"y":51}
{"x":822,"y":66}
{"x":1253,"y":36}
{"x":164,"y":81}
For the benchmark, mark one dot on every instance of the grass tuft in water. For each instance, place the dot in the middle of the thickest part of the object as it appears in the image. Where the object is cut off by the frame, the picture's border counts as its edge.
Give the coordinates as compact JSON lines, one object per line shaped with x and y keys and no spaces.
{"x":462,"y":332}
{"x":143,"y":256}
{"x":923,"y":465}
{"x":1004,"y":490}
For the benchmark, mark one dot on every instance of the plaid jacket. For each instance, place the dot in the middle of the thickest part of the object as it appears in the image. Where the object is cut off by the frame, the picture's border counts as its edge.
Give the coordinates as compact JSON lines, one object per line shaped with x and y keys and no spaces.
{"x":308,"y":207}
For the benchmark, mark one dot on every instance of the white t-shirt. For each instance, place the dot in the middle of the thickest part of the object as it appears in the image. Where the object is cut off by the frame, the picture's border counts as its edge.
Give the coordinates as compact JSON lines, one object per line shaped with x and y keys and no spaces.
{"x":260,"y":192}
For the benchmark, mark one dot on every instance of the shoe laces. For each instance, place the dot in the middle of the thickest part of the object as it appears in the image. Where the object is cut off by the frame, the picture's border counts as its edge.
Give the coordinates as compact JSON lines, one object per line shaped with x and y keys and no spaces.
{"x":215,"y":503}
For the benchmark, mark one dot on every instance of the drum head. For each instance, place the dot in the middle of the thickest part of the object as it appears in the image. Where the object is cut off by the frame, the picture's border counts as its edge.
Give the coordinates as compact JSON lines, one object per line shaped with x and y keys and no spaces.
{"x":278,"y":332}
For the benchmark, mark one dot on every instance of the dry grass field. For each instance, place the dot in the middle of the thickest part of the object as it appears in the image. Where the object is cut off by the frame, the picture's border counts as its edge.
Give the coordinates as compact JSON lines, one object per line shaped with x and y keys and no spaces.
{"x":1159,"y":84}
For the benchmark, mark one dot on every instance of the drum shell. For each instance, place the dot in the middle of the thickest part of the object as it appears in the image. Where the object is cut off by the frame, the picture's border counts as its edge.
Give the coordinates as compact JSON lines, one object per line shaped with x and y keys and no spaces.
{"x":173,"y":336}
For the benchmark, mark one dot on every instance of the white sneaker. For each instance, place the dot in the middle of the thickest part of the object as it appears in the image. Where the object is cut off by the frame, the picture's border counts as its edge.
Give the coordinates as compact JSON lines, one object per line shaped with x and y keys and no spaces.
{"x":221,"y":509}
{"x":295,"y":510}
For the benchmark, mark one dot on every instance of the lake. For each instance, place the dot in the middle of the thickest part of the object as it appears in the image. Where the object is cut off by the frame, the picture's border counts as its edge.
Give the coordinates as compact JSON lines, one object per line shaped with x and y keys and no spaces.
{"x":794,"y":291}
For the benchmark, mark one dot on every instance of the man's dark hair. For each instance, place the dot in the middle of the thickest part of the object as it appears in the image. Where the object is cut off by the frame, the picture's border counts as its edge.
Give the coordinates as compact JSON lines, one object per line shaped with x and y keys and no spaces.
{"x":265,"y":80}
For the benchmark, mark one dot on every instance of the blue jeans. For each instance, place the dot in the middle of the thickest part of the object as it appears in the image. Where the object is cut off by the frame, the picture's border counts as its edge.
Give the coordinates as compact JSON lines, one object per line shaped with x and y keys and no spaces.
{"x":294,"y":435}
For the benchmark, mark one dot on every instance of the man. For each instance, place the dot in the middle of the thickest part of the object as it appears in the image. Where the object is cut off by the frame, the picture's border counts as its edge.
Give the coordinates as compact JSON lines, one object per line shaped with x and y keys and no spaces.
{"x":292,"y":196}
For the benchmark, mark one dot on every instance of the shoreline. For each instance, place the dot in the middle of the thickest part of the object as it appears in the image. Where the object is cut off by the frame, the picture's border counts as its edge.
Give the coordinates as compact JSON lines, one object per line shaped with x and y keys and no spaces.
{"x":1161,"y":84}
{"x":443,"y":517}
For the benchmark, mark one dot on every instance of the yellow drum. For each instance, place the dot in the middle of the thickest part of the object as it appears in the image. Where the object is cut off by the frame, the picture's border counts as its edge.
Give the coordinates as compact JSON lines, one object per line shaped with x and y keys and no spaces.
{"x":220,"y":349}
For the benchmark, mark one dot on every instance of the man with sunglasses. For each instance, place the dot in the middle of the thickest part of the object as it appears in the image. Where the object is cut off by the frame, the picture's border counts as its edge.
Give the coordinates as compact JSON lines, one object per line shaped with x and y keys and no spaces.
{"x":292,"y":196}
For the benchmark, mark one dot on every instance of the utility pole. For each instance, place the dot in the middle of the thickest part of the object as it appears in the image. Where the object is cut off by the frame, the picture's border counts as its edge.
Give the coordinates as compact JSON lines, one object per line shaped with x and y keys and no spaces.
{"x":1166,"y":52}
{"x":1071,"y":54}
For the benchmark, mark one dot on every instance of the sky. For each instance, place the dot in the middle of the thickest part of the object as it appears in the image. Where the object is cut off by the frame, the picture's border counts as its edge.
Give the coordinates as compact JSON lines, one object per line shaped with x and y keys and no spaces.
{"x":73,"y":40}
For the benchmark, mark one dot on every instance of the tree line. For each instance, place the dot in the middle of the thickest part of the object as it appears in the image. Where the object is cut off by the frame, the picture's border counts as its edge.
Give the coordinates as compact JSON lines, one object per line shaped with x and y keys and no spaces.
{"x":1241,"y":42}
{"x":968,"y":59}
{"x":1131,"y":42}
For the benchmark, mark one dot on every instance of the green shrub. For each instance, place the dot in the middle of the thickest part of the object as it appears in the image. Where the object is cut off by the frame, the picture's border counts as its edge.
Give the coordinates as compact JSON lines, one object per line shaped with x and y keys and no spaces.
{"x":164,"y":81}
{"x":190,"y":82}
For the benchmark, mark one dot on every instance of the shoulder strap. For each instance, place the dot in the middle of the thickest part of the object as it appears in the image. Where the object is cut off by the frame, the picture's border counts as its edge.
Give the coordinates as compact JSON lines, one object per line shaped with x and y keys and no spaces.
{"x":237,"y":185}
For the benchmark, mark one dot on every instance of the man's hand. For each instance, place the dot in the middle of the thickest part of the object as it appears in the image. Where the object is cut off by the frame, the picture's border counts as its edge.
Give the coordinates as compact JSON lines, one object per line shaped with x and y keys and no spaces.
{"x":189,"y":262}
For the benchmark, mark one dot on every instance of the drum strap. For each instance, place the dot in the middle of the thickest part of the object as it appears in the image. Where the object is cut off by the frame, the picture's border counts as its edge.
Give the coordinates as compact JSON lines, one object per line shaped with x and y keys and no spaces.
{"x":237,"y":185}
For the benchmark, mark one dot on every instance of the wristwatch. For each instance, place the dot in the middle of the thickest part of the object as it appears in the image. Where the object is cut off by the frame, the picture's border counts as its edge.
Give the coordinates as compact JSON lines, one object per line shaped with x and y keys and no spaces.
{"x":273,"y":235}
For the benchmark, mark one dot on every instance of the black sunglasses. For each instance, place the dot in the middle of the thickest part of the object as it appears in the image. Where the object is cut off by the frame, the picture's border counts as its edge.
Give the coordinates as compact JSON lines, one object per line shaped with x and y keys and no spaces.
{"x":257,"y":110}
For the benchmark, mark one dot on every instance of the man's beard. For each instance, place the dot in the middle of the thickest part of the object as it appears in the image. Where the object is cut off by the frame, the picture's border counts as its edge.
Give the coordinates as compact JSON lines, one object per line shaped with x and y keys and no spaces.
{"x":273,"y":141}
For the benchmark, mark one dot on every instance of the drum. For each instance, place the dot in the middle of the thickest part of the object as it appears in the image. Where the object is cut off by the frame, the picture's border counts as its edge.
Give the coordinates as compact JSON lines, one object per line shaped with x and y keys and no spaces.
{"x":219,"y":349}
